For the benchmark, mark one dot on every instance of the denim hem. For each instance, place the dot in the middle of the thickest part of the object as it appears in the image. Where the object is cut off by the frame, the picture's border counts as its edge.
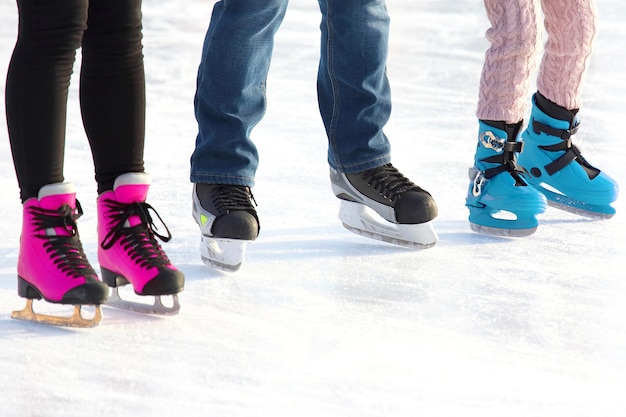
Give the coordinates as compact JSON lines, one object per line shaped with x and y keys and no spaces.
{"x":362,"y":166}
{"x":222,"y":179}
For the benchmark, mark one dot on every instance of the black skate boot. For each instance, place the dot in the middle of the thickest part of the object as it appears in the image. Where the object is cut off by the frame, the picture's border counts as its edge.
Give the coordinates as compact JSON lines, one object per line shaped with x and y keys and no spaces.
{"x":407,"y":208}
{"x":227,"y":220}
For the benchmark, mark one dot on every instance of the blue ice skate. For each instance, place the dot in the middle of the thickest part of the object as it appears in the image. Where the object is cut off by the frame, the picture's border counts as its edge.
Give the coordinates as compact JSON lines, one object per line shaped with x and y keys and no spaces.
{"x":499,"y":200}
{"x":557,"y":168}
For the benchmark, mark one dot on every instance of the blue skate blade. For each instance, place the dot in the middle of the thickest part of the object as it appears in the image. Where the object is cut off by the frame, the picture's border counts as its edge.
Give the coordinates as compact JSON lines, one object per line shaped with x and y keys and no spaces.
{"x":483,"y":221}
{"x":581,"y":208}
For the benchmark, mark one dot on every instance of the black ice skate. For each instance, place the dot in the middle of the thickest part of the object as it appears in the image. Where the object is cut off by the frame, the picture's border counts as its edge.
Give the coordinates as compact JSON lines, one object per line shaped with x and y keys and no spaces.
{"x":227,"y":220}
{"x":407,"y":208}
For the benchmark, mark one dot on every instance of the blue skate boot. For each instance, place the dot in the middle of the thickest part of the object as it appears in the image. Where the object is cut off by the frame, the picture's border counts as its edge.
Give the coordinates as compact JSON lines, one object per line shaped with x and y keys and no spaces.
{"x":499,"y":200}
{"x":556,"y":166}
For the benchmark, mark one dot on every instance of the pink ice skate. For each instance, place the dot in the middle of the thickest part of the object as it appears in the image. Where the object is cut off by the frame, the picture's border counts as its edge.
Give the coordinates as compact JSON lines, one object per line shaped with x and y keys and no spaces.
{"x":52,"y":264}
{"x":129,"y":251}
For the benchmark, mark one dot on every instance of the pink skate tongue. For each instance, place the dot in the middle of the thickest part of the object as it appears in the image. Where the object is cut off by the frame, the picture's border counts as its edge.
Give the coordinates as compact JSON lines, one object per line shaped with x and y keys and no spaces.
{"x":54,"y":202}
{"x":129,"y":194}
{"x":132,"y":187}
{"x":132,"y":221}
{"x":53,"y":197}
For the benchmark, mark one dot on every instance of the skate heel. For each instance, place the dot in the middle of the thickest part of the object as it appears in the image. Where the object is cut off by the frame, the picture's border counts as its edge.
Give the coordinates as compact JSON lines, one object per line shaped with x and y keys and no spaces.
{"x":112,"y":279}
{"x":27,"y":290}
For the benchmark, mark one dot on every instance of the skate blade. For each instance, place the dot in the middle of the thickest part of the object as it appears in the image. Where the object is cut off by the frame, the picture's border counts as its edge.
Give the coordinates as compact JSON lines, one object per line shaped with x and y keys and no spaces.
{"x":502,"y":231}
{"x":355,"y":217}
{"x":158,"y":308}
{"x":223,"y":254}
{"x":488,"y":222}
{"x":76,"y":320}
{"x":579,"y":208}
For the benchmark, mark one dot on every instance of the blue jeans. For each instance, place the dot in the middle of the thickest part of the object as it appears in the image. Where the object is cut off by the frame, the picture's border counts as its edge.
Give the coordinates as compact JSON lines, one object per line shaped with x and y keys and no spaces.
{"x":353,"y":90}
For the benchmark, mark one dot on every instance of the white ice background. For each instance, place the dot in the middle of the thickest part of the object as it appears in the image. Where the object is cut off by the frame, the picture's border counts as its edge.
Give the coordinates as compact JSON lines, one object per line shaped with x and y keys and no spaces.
{"x":319,"y":321}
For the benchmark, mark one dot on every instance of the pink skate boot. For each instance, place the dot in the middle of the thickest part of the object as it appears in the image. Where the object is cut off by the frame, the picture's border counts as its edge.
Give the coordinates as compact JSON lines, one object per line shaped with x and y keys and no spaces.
{"x":52,"y":264}
{"x":129,"y":251}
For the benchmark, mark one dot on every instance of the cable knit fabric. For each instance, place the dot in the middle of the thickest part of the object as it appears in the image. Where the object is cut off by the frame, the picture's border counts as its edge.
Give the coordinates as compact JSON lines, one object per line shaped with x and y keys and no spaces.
{"x":511,"y":60}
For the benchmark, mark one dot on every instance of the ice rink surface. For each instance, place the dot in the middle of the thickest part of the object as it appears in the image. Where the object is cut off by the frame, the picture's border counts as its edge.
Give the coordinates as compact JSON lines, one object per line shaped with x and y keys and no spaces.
{"x":319,"y":321}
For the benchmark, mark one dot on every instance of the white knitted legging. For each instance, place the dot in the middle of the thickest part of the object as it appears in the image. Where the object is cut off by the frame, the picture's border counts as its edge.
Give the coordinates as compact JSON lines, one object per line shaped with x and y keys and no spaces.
{"x":510,"y":61}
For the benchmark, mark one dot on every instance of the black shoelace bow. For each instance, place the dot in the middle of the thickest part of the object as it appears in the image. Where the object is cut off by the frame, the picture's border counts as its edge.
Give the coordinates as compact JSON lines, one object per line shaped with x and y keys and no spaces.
{"x":139,"y":240}
{"x":66,"y":252}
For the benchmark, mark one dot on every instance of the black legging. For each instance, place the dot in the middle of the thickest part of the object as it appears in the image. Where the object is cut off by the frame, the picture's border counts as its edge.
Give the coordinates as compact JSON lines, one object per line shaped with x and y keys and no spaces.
{"x":112,"y":88}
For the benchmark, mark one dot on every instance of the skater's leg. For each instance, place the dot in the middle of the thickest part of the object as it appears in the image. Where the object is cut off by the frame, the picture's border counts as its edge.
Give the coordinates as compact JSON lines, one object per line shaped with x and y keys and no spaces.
{"x":556,"y":166}
{"x":113,"y":108}
{"x":37,"y":85}
{"x":230,"y":95}
{"x":509,"y":61}
{"x":572,"y":28}
{"x":353,"y":89}
{"x":355,"y":104}
{"x":112,"y":89}
{"x":498,"y":198}
{"x":229,"y":102}
{"x":51,"y":262}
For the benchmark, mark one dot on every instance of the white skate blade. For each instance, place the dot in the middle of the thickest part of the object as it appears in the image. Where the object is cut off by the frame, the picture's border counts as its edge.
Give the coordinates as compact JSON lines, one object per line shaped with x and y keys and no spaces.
{"x":157,"y":308}
{"x":76,"y":320}
{"x":223,"y":254}
{"x":356,"y":218}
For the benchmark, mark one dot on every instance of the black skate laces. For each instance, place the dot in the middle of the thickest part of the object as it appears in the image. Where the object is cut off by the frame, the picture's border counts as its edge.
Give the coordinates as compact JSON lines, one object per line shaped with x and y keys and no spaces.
{"x":139,"y":240}
{"x":66,"y":252}
{"x":389,"y":182}
{"x":227,"y":198}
